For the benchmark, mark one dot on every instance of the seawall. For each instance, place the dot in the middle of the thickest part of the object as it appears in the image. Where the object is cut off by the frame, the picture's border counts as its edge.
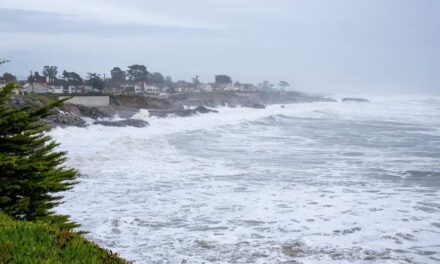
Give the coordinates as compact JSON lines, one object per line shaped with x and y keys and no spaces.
{"x":90,"y":101}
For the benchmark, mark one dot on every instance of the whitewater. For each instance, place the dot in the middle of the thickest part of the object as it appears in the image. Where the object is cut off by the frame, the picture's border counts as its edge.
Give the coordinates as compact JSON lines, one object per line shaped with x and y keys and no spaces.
{"x":303,"y":183}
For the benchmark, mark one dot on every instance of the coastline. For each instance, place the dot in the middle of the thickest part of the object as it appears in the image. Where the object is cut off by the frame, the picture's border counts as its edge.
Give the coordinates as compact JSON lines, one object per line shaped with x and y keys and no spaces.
{"x":124,"y":107}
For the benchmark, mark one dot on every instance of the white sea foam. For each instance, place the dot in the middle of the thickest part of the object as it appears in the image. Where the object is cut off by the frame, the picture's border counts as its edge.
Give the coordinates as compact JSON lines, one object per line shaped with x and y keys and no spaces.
{"x":314,"y":183}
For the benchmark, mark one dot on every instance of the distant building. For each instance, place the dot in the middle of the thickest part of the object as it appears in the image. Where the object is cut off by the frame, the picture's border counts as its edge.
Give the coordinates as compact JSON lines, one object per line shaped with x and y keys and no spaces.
{"x":182,"y":89}
{"x":58,"y":89}
{"x":113,"y":90}
{"x":129,"y":90}
{"x":152,"y":89}
{"x":133,"y":88}
{"x":165,"y":89}
{"x":39,"y":88}
{"x":205,"y":87}
{"x":78,"y":89}
{"x":245,"y":87}
{"x":223,"y":79}
{"x":220,"y":87}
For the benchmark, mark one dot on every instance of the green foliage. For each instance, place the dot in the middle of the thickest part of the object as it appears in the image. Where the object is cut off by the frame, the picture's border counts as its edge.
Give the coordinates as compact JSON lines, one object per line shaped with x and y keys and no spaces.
{"x":72,"y":77}
{"x":31,"y":170}
{"x":117,"y":75}
{"x":137,"y":73}
{"x":50,"y":71}
{"x":29,"y":243}
{"x":156,"y":78}
{"x":8,"y":77}
{"x":95,"y":81}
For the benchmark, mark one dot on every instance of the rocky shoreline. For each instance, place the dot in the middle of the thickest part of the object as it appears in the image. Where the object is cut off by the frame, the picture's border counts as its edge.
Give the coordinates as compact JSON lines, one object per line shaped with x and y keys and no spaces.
{"x":180,"y":105}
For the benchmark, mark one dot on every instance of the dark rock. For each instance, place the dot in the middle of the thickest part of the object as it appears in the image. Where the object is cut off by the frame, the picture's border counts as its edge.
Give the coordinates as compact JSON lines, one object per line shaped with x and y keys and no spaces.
{"x":92,"y":112}
{"x":176,"y":112}
{"x":359,"y":100}
{"x":123,"y":123}
{"x":182,"y":112}
{"x":256,"y":106}
{"x":283,"y":106}
{"x":17,"y":101}
{"x":60,"y":118}
{"x":203,"y":110}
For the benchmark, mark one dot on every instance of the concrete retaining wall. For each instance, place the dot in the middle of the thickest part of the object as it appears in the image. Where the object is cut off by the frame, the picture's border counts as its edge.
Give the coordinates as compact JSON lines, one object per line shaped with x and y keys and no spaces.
{"x":91,"y":101}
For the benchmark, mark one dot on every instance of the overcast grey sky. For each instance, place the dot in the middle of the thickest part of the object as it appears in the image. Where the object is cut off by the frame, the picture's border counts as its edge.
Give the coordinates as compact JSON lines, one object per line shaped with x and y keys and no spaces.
{"x":341,"y":46}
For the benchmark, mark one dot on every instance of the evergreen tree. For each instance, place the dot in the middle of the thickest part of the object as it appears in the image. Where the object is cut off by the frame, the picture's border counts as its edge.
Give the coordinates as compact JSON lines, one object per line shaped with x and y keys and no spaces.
{"x":117,"y":75}
{"x":95,"y":81}
{"x":50,"y":71}
{"x":31,"y":170}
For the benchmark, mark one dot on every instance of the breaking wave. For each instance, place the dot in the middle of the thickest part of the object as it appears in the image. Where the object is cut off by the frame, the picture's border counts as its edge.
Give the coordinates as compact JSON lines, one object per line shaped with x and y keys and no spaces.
{"x":307,"y":183}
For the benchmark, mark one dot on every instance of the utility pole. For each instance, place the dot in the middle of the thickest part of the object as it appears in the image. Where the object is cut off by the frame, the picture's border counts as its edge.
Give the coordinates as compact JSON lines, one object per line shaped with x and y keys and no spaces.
{"x":32,"y":82}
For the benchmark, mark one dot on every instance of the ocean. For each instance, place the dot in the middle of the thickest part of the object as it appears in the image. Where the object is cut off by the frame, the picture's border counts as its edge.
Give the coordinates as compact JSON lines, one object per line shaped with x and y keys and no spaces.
{"x":305,"y":183}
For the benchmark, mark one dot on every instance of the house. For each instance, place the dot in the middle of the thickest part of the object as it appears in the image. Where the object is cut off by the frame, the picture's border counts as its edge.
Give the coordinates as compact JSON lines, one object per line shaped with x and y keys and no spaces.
{"x":244,"y":87}
{"x":220,"y":87}
{"x":152,"y":89}
{"x":222,"y":83}
{"x":113,"y":90}
{"x":129,"y":90}
{"x":205,"y":87}
{"x":228,"y":87}
{"x":58,"y":89}
{"x":139,"y":87}
{"x":182,"y":89}
{"x":136,"y":88}
{"x":56,"y":86}
{"x":88,"y":89}
{"x":165,"y":89}
{"x":39,"y":88}
{"x":223,"y":79}
{"x":72,"y":89}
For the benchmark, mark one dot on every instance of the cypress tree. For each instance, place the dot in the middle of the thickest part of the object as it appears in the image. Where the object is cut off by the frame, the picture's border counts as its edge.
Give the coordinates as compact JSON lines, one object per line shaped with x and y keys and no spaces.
{"x":31,"y":170}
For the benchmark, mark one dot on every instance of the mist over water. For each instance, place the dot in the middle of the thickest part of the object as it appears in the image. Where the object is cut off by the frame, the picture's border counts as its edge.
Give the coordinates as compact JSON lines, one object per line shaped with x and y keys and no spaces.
{"x":314,"y":183}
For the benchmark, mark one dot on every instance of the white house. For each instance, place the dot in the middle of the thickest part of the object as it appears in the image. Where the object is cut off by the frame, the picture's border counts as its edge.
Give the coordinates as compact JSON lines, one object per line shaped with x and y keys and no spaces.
{"x":37,"y":88}
{"x":133,"y":88}
{"x":139,"y":87}
{"x":219,"y":87}
{"x":182,"y":89}
{"x":205,"y":87}
{"x":244,"y":87}
{"x":165,"y":89}
{"x":58,"y":89}
{"x":151,"y":89}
